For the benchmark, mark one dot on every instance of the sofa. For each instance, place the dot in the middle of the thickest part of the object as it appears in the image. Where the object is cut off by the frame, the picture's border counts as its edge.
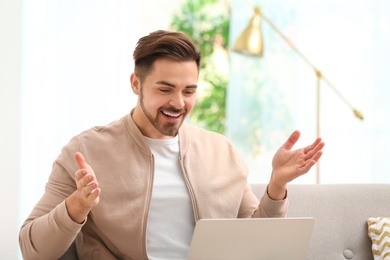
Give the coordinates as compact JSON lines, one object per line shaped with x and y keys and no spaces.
{"x":340,"y":212}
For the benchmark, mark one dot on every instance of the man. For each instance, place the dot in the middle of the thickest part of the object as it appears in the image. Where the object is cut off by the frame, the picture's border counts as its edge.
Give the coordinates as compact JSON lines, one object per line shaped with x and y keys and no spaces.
{"x":135,"y":188}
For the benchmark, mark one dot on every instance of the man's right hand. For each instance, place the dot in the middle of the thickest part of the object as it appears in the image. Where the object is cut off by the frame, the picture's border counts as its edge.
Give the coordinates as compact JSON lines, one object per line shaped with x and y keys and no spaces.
{"x":80,"y":202}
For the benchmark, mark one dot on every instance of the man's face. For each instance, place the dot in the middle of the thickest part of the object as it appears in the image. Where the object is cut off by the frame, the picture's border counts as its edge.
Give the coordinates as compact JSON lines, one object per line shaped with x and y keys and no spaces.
{"x":166,"y":97}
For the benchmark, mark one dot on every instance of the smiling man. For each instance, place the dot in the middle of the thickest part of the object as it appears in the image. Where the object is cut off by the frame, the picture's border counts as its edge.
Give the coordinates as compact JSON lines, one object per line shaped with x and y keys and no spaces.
{"x":166,"y":96}
{"x":134,"y":189}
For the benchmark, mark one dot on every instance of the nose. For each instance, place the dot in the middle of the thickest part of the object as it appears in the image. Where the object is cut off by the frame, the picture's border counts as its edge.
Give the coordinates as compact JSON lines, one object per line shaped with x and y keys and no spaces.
{"x":177,"y":101}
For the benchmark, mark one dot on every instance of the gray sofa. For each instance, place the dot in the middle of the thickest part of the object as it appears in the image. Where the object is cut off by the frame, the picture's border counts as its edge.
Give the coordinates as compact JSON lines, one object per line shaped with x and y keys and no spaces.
{"x":340,"y":212}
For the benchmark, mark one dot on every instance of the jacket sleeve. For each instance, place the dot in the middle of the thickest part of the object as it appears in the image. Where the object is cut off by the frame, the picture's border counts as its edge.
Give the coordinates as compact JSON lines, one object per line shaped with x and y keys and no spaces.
{"x":270,"y":208}
{"x":49,"y":231}
{"x":267,"y":208}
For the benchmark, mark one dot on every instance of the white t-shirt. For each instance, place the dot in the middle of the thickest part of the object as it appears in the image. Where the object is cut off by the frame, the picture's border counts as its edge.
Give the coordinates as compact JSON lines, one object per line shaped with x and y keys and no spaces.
{"x":171,"y":219}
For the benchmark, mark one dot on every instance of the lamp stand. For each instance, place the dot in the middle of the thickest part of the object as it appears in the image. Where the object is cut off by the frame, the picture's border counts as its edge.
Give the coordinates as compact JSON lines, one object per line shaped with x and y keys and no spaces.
{"x":318,"y":74}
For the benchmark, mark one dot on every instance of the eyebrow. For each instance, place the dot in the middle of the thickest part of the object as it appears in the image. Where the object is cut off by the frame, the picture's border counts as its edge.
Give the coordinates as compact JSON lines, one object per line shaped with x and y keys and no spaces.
{"x":163,"y":82}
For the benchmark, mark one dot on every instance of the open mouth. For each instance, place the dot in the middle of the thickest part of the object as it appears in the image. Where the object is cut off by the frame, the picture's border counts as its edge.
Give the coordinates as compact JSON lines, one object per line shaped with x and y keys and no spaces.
{"x":171,"y":114}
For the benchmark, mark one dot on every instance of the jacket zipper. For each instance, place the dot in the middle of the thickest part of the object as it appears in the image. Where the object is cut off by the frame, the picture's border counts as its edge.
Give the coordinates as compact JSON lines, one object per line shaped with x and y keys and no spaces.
{"x":146,"y":213}
{"x":190,"y":190}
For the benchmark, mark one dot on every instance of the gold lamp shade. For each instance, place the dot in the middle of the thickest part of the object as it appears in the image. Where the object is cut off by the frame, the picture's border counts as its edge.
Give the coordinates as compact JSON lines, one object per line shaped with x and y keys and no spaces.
{"x":250,"y":42}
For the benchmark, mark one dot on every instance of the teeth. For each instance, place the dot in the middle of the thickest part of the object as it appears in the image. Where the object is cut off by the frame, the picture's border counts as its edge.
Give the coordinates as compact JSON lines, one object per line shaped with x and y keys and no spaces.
{"x":171,"y":115}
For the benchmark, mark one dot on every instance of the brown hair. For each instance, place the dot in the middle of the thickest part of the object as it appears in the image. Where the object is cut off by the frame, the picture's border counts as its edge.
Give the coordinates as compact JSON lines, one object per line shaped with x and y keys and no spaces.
{"x":163,"y":44}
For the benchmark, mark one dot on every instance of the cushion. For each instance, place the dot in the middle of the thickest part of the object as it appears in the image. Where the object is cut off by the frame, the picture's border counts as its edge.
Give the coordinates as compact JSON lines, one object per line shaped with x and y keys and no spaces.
{"x":379,"y":232}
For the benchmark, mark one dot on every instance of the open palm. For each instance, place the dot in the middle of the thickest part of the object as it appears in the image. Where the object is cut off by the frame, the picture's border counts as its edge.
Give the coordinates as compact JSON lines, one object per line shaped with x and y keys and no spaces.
{"x":289,"y":164}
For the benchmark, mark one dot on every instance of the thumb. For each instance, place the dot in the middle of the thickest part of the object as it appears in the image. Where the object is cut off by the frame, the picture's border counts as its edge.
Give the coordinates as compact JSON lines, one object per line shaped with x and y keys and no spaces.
{"x":293,"y":138}
{"x":80,"y":159}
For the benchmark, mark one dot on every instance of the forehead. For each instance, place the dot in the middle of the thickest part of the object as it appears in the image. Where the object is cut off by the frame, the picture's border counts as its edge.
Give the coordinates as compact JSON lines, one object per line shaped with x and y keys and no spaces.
{"x":167,"y":68}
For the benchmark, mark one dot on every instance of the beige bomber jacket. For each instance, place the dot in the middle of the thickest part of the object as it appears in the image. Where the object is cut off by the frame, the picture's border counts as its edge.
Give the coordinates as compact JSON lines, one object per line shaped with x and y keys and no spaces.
{"x":214,"y":173}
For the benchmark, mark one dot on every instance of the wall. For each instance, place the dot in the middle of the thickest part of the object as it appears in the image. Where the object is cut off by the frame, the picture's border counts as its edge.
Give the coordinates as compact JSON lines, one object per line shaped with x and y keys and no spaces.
{"x":10,"y":66}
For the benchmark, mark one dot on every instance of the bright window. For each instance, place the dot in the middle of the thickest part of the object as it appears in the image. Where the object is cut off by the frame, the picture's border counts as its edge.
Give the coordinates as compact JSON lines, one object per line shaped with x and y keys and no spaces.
{"x":269,"y":97}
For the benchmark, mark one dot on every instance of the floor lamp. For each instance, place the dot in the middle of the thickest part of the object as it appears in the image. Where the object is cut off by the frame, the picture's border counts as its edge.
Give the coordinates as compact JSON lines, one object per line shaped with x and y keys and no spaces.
{"x":250,"y":42}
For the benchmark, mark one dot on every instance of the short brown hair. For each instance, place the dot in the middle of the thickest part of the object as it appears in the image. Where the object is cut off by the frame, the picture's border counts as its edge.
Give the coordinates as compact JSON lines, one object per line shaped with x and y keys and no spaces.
{"x":163,"y":44}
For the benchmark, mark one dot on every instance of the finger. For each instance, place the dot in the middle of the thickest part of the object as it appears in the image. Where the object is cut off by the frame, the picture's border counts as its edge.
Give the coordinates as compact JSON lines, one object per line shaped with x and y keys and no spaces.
{"x":307,"y":166}
{"x":94,"y":194}
{"x":311,"y":162}
{"x":312,"y":146}
{"x":85,"y":180}
{"x":293,"y":138}
{"x":313,"y":150}
{"x":80,"y":160}
{"x":80,"y":174}
{"x":317,"y":156}
{"x":89,"y":188}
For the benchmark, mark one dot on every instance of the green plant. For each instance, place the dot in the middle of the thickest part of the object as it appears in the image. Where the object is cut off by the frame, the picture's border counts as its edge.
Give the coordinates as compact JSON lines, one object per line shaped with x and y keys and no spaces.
{"x":207,"y":24}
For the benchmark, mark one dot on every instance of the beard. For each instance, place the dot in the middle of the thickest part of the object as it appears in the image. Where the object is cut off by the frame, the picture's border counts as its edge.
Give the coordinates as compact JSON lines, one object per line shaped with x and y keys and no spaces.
{"x":167,"y":129}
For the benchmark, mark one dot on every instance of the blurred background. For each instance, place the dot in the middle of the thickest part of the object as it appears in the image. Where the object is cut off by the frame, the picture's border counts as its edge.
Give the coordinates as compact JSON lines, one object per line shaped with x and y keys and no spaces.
{"x":65,"y":67}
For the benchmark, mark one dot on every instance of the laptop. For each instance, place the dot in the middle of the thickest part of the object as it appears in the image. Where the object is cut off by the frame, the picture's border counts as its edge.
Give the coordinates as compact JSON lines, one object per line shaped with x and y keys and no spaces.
{"x":247,"y":239}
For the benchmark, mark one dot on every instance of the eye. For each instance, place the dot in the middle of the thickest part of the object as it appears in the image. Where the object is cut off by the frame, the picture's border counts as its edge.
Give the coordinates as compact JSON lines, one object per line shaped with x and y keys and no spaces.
{"x":189,"y":92}
{"x":165,"y":90}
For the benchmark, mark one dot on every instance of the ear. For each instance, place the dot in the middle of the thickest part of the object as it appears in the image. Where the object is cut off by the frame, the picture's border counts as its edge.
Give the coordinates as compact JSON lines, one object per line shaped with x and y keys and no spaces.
{"x":135,"y":83}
